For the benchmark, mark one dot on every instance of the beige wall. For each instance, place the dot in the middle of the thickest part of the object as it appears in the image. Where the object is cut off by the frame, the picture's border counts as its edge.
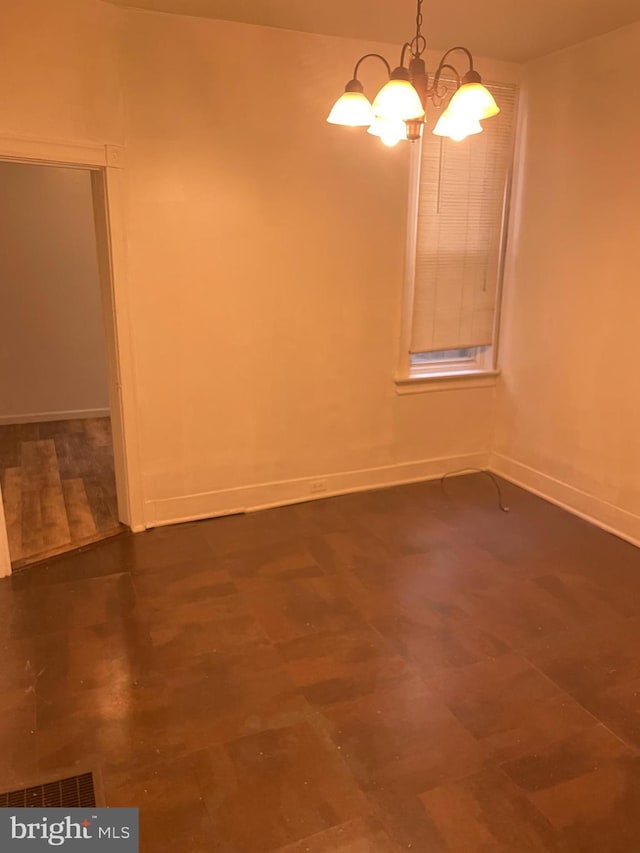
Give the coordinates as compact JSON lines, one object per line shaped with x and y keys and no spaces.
{"x":267,"y":247}
{"x":60,"y":76}
{"x":52,"y":353}
{"x":569,"y":413}
{"x":265,"y":252}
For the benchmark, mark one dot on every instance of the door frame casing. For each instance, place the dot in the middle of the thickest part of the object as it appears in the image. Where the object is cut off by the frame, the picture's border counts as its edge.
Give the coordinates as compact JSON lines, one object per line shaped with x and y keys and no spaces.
{"x":106,"y":165}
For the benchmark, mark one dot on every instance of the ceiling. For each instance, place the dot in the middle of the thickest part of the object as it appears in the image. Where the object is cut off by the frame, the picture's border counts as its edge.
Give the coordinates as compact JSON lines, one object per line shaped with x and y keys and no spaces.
{"x":515,"y":30}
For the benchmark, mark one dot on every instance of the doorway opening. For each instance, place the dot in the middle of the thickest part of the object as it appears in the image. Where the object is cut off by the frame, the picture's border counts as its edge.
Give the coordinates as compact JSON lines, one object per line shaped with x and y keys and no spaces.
{"x":61,"y":441}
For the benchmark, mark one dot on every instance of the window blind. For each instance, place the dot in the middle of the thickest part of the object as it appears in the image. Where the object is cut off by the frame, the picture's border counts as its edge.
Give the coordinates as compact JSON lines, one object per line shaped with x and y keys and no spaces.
{"x":461,"y":195}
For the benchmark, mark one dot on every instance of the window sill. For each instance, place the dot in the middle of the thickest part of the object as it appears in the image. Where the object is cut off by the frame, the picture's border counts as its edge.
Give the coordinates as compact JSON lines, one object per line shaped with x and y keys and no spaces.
{"x":447,"y":381}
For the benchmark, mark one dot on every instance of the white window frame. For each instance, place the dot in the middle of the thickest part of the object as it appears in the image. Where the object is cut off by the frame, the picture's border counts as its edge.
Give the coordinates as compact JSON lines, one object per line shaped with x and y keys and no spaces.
{"x":463,"y":373}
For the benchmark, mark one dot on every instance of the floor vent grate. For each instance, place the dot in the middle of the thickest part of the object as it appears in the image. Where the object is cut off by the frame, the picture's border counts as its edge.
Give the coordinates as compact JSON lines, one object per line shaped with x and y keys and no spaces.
{"x":71,"y":793}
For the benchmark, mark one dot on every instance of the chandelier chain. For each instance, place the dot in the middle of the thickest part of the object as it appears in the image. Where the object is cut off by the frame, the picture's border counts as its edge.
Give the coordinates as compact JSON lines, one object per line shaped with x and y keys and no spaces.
{"x":418,"y":43}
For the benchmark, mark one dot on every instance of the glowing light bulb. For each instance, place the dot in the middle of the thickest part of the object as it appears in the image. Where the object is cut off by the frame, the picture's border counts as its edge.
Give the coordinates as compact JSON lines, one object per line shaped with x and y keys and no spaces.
{"x":456,"y":126}
{"x":389,"y":132}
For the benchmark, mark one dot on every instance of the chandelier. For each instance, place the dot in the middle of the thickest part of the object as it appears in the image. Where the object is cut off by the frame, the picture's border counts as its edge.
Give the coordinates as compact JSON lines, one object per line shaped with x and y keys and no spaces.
{"x":399,"y":109}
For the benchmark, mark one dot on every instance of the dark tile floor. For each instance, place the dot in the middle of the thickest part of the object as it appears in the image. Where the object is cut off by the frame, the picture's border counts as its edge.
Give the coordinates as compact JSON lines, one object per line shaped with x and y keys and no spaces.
{"x":395,"y":670}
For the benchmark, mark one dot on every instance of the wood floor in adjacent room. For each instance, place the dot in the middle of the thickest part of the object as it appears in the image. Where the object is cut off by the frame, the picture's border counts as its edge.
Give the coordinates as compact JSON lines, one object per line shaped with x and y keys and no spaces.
{"x":58,"y":485}
{"x":375,"y":673}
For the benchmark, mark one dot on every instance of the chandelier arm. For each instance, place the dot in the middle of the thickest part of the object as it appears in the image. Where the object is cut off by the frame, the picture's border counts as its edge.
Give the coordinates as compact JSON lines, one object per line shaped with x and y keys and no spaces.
{"x":451,"y":50}
{"x":405,"y":47}
{"x":436,"y":79}
{"x":369,"y":56}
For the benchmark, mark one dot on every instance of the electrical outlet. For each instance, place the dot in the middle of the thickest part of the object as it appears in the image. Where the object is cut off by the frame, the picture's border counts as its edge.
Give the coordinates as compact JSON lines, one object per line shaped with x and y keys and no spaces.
{"x":318,"y":486}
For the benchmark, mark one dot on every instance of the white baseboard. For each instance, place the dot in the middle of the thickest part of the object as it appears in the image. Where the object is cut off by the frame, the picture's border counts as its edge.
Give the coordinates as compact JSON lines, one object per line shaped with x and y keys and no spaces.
{"x":265,"y":495}
{"x":40,"y":417}
{"x":608,"y":516}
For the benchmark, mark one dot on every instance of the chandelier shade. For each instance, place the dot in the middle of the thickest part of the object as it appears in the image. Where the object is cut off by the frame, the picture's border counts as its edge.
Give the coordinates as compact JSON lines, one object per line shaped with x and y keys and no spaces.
{"x":389,"y":131}
{"x":474,"y":99}
{"x":456,"y":126}
{"x":352,"y":109}
{"x":398,"y":100}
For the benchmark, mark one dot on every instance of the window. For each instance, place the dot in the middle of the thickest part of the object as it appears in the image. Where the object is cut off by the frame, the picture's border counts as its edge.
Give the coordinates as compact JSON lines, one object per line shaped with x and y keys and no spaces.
{"x":457,"y":229}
